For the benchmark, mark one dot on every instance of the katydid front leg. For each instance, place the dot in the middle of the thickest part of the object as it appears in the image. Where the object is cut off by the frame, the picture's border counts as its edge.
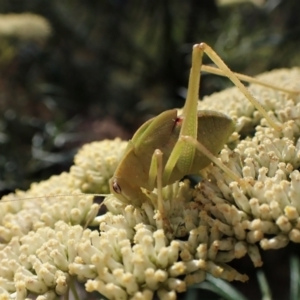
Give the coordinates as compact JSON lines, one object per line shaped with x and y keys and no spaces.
{"x":155,"y":174}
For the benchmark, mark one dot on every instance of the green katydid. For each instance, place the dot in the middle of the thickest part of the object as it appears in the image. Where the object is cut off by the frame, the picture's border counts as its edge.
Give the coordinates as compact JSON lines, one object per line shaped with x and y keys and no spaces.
{"x":171,"y":146}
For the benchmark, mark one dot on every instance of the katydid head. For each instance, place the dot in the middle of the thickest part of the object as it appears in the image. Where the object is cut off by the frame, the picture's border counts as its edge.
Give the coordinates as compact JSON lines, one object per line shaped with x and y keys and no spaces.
{"x":125,"y":191}
{"x":116,"y":188}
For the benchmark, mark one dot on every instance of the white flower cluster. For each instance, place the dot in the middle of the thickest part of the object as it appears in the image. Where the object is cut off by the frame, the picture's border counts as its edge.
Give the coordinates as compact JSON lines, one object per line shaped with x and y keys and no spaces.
{"x":131,"y":257}
{"x":43,"y":205}
{"x":24,"y":26}
{"x":38,"y":263}
{"x":93,"y":168}
{"x":265,"y":205}
{"x":134,"y":258}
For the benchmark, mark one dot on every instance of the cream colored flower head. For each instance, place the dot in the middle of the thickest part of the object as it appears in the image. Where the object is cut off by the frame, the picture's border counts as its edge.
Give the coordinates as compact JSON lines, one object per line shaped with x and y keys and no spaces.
{"x":264,"y":206}
{"x":24,"y":26}
{"x":95,"y":164}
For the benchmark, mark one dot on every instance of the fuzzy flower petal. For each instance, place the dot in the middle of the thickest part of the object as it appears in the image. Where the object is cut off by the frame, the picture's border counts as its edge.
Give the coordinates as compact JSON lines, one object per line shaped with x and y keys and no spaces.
{"x":42,"y":206}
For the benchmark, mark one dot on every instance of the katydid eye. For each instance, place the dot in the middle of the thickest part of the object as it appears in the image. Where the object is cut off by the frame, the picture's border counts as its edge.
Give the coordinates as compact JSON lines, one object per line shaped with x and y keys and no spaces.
{"x":116,"y":188}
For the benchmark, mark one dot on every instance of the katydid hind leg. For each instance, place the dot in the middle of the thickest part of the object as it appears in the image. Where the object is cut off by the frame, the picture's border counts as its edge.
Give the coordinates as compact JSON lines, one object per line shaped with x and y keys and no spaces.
{"x":189,"y":124}
{"x":228,"y":73}
{"x":202,"y":149}
{"x":187,"y":162}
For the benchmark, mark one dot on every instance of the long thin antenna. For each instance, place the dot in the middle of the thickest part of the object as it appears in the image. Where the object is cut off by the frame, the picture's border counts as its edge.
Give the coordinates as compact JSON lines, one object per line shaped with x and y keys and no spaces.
{"x":51,"y":196}
{"x":217,"y":71}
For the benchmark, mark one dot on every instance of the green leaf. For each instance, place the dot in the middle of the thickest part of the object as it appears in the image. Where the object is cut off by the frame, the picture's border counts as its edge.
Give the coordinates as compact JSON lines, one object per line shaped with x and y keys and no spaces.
{"x":264,"y":286}
{"x":221,"y":288}
{"x":294,"y":277}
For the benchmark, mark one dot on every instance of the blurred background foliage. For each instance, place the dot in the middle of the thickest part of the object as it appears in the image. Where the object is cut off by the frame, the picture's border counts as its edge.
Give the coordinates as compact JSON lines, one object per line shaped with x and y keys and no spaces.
{"x":76,"y":71}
